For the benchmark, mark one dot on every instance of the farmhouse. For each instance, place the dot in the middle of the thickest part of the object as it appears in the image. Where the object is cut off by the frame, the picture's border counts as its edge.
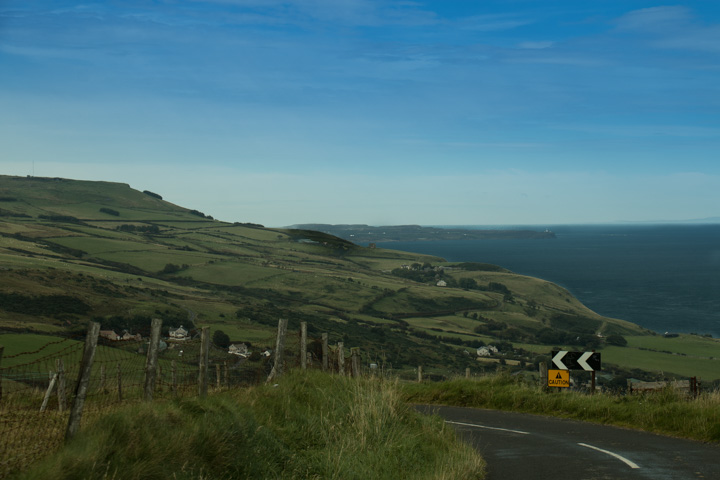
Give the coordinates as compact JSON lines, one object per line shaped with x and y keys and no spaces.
{"x":129,"y":336}
{"x":178,"y":333}
{"x":110,"y":335}
{"x":240,"y":350}
{"x":487,"y":351}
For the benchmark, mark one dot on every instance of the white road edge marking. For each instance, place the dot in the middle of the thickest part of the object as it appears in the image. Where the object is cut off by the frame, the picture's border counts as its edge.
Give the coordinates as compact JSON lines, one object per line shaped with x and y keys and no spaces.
{"x":621,"y":458}
{"x":488,"y":428}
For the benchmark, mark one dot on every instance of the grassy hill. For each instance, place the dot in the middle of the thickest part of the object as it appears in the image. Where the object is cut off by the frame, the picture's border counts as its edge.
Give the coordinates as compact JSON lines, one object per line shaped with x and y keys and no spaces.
{"x":72,"y":251}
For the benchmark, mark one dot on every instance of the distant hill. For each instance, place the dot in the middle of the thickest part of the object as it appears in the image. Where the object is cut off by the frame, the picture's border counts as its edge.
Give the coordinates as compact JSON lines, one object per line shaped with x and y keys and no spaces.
{"x":72,"y":251}
{"x":406,"y":233}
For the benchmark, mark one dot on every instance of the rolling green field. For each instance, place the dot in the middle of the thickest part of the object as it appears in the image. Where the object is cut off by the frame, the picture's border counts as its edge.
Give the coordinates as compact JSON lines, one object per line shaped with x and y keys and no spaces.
{"x":65,"y":261}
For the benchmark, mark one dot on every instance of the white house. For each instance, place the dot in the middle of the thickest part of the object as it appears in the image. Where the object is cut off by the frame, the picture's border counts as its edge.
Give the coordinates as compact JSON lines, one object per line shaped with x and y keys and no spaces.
{"x":487,"y":351}
{"x":441,"y":283}
{"x":179,"y":333}
{"x":129,"y":336}
{"x":110,"y":335}
{"x":240,"y":350}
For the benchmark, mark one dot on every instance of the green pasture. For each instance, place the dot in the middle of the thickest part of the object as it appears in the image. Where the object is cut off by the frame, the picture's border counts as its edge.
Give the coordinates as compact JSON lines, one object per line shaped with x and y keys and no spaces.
{"x":455,"y":323}
{"x":184,"y":224}
{"x":241,"y":332}
{"x":232,"y":272}
{"x":25,"y":348}
{"x":255,"y":234}
{"x":668,"y":364}
{"x":109,"y":232}
{"x":155,"y":261}
{"x":96,"y":246}
{"x":650,"y":361}
{"x":31,"y":229}
{"x":13,"y":260}
{"x":687,"y":344}
{"x":10,"y":242}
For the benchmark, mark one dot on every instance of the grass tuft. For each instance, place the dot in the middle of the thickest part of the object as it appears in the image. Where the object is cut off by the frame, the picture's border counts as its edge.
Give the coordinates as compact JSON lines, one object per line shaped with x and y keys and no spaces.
{"x":310,"y":425}
{"x":669,"y":412}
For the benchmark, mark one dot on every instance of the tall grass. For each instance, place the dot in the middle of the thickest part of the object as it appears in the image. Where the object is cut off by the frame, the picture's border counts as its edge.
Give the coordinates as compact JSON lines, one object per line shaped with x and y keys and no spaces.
{"x":669,"y":412}
{"x":310,"y":425}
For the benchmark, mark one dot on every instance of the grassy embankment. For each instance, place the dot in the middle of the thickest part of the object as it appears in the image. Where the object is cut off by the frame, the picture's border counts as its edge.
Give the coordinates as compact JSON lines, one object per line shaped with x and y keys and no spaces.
{"x":668,"y":412}
{"x":310,"y":425}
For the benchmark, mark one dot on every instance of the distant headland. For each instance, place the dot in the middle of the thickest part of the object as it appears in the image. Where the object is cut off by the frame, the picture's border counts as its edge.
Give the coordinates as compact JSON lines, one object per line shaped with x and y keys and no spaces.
{"x":407,"y":233}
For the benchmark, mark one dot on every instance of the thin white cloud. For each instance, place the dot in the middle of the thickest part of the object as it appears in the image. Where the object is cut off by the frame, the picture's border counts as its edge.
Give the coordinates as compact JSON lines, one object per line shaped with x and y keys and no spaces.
{"x":492,"y":23}
{"x":345,"y":12}
{"x":672,"y":27}
{"x":537,"y":45}
{"x":655,"y":19}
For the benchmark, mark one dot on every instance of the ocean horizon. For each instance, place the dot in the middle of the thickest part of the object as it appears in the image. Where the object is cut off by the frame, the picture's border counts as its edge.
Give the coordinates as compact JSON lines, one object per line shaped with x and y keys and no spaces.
{"x":661,"y":276}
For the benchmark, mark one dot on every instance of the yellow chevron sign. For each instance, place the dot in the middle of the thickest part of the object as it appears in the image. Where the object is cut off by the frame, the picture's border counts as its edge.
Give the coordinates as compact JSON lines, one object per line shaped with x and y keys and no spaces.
{"x":559,"y":378}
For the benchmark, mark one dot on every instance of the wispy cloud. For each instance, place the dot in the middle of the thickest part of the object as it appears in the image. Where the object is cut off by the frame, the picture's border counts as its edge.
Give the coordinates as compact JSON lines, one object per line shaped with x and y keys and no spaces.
{"x":537,"y":45}
{"x":672,"y":27}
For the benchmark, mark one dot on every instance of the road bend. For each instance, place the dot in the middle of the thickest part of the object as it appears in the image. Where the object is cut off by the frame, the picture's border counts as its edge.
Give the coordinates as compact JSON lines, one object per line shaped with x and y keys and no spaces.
{"x":534,"y":447}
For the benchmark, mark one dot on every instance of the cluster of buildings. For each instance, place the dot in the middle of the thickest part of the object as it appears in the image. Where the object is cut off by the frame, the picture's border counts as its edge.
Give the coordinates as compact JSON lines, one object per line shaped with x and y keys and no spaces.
{"x":177,"y":335}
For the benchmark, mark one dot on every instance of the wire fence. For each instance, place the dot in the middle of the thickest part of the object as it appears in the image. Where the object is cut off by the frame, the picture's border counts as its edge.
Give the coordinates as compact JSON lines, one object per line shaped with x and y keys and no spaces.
{"x":39,"y":389}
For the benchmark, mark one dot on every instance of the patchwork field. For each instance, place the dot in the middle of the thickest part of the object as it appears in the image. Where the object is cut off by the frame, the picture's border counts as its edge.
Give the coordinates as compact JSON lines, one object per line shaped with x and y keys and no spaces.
{"x":73,"y":251}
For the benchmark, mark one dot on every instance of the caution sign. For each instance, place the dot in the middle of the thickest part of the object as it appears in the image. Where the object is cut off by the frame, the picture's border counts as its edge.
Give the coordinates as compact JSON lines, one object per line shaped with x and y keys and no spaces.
{"x":558,"y":378}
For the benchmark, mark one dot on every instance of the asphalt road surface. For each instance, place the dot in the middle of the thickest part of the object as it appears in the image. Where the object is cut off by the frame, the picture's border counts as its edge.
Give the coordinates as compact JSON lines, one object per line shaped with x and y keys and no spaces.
{"x":522,"y":446}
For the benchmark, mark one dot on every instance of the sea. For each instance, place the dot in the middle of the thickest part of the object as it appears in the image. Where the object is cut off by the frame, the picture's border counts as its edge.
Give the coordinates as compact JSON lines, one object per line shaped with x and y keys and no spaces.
{"x":665,"y":278}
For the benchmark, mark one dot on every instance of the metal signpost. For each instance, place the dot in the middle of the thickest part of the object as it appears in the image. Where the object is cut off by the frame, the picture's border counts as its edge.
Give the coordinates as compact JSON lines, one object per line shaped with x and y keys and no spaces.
{"x":563,"y":361}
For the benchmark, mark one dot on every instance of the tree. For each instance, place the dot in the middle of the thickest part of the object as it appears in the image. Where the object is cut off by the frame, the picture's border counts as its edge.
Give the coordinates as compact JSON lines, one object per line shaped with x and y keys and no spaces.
{"x":221,"y":339}
{"x":615,"y":339}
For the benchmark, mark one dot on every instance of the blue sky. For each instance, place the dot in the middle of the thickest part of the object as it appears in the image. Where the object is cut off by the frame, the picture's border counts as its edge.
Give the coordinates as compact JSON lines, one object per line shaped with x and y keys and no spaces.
{"x":379,"y":112}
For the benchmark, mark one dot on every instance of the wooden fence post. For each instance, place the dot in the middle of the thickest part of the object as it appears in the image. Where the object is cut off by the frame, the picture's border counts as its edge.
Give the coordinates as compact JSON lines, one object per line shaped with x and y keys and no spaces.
{"x":119,"y":382}
{"x":355,"y":361}
{"x":204,"y":357}
{"x":83,"y":380}
{"x":325,"y":350}
{"x":419,"y":373}
{"x":303,"y":345}
{"x":225,"y":374}
{"x":467,"y":372}
{"x":2,"y":348}
{"x":151,"y":359}
{"x":102,"y":377}
{"x":62,"y":396}
{"x":543,"y":375}
{"x":277,"y":369}
{"x":341,"y":358}
{"x":173,"y":377}
{"x":53,"y":380}
{"x":218,"y":376}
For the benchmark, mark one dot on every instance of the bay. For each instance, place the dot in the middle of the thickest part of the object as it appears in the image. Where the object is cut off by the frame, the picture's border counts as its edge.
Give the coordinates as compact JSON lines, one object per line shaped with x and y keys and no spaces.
{"x":663,"y":277}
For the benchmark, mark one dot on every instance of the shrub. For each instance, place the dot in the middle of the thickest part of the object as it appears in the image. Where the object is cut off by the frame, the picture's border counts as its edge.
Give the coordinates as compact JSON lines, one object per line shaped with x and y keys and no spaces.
{"x":154,"y":195}
{"x":110,"y":211}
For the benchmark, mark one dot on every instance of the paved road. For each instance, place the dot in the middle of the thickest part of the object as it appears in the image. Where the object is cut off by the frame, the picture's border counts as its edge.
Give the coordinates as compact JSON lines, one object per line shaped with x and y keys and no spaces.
{"x":521,"y":446}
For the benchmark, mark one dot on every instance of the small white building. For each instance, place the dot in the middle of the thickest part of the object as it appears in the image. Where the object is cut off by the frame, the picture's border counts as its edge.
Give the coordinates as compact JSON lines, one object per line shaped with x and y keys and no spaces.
{"x":179,"y":333}
{"x":487,"y":351}
{"x":441,"y":283}
{"x":110,"y":335}
{"x":240,"y":350}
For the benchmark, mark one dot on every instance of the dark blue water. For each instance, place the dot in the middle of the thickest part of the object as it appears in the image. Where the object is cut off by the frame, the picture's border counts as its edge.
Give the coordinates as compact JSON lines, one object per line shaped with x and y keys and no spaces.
{"x":662,"y":277}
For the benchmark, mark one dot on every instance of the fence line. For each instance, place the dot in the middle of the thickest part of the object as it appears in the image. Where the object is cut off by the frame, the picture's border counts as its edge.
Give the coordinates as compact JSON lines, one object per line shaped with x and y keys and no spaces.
{"x":95,"y":373}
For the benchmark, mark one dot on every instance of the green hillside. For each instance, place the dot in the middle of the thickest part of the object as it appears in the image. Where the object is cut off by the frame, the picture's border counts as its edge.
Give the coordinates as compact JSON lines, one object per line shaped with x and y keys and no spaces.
{"x":72,"y":251}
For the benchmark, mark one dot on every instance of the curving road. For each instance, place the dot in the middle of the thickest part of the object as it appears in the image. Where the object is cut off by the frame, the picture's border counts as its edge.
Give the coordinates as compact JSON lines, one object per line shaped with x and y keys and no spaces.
{"x":522,"y":446}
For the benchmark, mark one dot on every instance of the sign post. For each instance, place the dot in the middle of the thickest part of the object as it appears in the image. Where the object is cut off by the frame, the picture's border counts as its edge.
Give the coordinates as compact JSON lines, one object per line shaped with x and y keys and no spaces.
{"x":564,"y":361}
